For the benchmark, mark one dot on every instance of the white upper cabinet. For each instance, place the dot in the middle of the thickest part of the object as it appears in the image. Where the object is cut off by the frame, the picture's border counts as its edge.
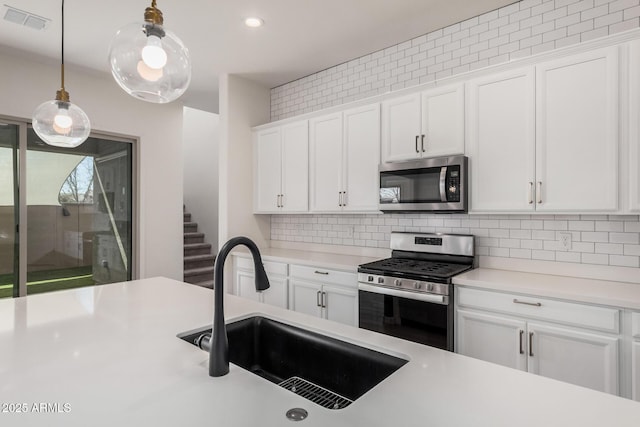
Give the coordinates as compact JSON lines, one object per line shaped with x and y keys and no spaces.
{"x":427,"y":124}
{"x":267,"y":169}
{"x":577,"y":132}
{"x":633,"y":163}
{"x":361,"y":158}
{"x":545,"y":138}
{"x":344,"y":160}
{"x":443,"y":121}
{"x":501,"y":141}
{"x":281,"y":169}
{"x":326,"y":163}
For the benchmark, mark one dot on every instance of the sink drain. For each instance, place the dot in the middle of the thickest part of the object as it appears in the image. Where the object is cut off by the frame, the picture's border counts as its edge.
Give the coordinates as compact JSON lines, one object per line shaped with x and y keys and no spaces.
{"x":297,"y":414}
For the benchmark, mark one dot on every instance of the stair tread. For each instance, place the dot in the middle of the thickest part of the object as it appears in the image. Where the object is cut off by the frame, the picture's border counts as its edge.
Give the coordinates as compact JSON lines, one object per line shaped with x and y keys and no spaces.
{"x":199,"y":270}
{"x":193,"y":234}
{"x":196,"y":245}
{"x":205,"y":284}
{"x":202,"y":257}
{"x":190,"y":223}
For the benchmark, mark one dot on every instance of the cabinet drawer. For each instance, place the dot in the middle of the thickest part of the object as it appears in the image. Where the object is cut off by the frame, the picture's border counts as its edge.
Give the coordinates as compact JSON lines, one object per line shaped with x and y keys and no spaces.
{"x":324,"y":275}
{"x":635,"y":325}
{"x":269,"y":266}
{"x":585,"y":316}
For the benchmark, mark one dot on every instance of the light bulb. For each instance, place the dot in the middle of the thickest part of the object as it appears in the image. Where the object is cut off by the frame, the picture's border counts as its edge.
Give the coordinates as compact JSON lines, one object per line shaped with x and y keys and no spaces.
{"x":153,"y":54}
{"x":148,"y":73}
{"x":62,"y":122}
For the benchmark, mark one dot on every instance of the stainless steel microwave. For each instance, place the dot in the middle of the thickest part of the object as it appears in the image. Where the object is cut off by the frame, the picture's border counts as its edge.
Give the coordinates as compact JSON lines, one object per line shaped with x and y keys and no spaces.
{"x":427,"y":185}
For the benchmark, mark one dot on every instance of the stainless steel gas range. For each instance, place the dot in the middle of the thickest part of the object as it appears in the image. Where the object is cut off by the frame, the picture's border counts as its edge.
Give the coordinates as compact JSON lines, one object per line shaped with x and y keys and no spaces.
{"x":410,"y":295}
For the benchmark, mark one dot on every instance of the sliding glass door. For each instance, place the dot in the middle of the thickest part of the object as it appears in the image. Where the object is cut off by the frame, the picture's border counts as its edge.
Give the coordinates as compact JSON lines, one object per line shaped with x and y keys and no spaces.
{"x":9,"y":134}
{"x":77,"y":213}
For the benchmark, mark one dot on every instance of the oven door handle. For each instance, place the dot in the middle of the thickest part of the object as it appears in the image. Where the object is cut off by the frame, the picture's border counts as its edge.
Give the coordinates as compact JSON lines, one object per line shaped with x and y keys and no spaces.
{"x":418,"y":296}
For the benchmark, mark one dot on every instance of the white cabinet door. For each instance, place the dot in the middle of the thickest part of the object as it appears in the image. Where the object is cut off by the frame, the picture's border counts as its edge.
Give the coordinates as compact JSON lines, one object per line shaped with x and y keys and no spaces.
{"x":305,"y":297}
{"x":633,"y":165}
{"x":341,"y":305}
{"x":245,"y":285}
{"x":401,"y":121}
{"x":295,"y":167}
{"x":577,"y":132}
{"x":277,"y":294}
{"x":361,"y":158}
{"x":635,"y":370}
{"x":581,"y":358}
{"x":442,"y":121}
{"x":267,"y":166}
{"x":501,"y":141}
{"x":326,"y":163}
{"x":492,"y":338}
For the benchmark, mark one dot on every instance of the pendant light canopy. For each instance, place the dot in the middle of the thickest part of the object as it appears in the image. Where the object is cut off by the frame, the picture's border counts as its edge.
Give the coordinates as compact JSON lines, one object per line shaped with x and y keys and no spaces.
{"x":59,"y":122}
{"x":148,"y":61}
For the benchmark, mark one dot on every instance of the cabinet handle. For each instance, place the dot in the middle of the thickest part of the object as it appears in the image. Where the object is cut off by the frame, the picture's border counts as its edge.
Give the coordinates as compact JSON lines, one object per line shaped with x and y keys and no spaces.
{"x":422,"y":143}
{"x":323,"y":299}
{"x":318,"y":303}
{"x":277,"y":200}
{"x":539,"y":192}
{"x":535,"y":304}
{"x":326,"y":273}
{"x":282,"y":200}
{"x":530,"y":192}
{"x":344,"y":198}
{"x":530,"y":344}
{"x":521,"y":348}
{"x":417,"y":151}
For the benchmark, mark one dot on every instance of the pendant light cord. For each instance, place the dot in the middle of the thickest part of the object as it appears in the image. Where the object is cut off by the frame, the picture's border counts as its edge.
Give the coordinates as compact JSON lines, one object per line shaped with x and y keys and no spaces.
{"x":62,"y":51}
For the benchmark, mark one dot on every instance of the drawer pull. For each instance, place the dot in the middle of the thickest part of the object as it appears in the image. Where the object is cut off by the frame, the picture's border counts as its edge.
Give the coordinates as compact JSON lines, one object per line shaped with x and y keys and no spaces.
{"x":326,"y":273}
{"x":521,"y":348}
{"x":535,"y":304}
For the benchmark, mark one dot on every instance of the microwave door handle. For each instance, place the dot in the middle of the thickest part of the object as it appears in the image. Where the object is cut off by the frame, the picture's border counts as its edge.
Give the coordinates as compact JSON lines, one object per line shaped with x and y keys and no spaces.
{"x":443,"y":179}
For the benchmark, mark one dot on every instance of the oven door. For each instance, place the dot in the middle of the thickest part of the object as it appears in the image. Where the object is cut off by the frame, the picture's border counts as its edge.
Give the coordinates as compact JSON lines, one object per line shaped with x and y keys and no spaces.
{"x":422,"y":318}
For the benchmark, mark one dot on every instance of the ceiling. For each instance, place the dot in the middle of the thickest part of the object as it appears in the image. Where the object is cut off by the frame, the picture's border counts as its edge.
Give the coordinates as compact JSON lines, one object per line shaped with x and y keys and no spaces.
{"x":299,"y":37}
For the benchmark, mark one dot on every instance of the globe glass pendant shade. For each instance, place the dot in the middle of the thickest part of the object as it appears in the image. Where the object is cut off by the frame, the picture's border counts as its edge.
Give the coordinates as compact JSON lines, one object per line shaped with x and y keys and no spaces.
{"x":150,"y":62}
{"x":61,"y":124}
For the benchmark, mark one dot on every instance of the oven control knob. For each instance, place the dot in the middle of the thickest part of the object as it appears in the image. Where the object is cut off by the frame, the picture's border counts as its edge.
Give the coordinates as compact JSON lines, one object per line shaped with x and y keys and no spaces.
{"x":370,"y":278}
{"x":430,"y":287}
{"x":380,"y":279}
{"x":397,"y":282}
{"x":417,"y":285}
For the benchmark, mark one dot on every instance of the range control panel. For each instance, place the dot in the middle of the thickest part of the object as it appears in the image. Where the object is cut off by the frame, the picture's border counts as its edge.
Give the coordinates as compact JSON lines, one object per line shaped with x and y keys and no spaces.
{"x":404,"y":284}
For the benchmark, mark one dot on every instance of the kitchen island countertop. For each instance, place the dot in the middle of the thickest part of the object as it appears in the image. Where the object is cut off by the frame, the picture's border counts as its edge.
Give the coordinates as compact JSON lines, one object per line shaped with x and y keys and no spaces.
{"x":109,"y":355}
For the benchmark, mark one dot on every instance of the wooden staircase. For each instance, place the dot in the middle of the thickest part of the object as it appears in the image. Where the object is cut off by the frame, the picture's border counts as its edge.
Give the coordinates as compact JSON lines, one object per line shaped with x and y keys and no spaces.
{"x":198,"y":259}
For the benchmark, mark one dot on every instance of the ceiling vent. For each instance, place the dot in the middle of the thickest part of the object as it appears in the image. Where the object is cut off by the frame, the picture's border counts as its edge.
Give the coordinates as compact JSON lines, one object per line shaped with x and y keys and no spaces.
{"x":24,"y":18}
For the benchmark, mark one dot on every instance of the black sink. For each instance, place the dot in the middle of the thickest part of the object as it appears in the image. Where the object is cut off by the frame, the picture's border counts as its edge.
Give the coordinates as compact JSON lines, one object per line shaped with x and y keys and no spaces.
{"x":286,"y":354}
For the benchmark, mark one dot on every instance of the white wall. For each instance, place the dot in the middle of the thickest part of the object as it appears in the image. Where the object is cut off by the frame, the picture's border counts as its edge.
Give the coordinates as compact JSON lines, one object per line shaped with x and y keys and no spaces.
{"x":200,"y":145}
{"x":25,"y":83}
{"x":243,"y":104}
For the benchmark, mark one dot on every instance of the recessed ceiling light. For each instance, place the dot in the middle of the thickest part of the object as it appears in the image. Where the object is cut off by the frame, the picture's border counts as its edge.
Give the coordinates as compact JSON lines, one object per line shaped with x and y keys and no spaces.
{"x":253,"y":22}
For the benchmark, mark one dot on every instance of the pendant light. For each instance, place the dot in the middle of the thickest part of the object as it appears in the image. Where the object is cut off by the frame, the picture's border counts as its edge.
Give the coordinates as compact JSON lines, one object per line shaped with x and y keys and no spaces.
{"x":148,"y":61}
{"x":59,"y":122}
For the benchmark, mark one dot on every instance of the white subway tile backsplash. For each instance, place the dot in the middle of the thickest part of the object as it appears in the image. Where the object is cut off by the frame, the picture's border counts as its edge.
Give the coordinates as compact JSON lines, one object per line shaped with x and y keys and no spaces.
{"x":518,"y":30}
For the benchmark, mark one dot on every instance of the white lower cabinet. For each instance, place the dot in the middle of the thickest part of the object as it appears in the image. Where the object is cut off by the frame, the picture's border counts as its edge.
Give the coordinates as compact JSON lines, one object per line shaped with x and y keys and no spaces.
{"x":244,"y":282}
{"x":518,"y":336}
{"x":329,"y":294}
{"x":635,"y":356}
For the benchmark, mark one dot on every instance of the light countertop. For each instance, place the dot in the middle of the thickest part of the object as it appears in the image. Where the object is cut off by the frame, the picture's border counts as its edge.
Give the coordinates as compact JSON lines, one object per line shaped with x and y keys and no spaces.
{"x":602,"y":292}
{"x":317,"y":259}
{"x":109,"y":355}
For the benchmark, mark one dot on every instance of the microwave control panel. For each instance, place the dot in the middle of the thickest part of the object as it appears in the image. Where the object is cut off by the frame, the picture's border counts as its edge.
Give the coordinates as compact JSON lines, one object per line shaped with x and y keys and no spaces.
{"x":452,"y":184}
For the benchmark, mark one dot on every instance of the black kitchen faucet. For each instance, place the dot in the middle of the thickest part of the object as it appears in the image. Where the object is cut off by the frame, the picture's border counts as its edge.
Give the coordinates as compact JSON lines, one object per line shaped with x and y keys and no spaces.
{"x":217,"y":345}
